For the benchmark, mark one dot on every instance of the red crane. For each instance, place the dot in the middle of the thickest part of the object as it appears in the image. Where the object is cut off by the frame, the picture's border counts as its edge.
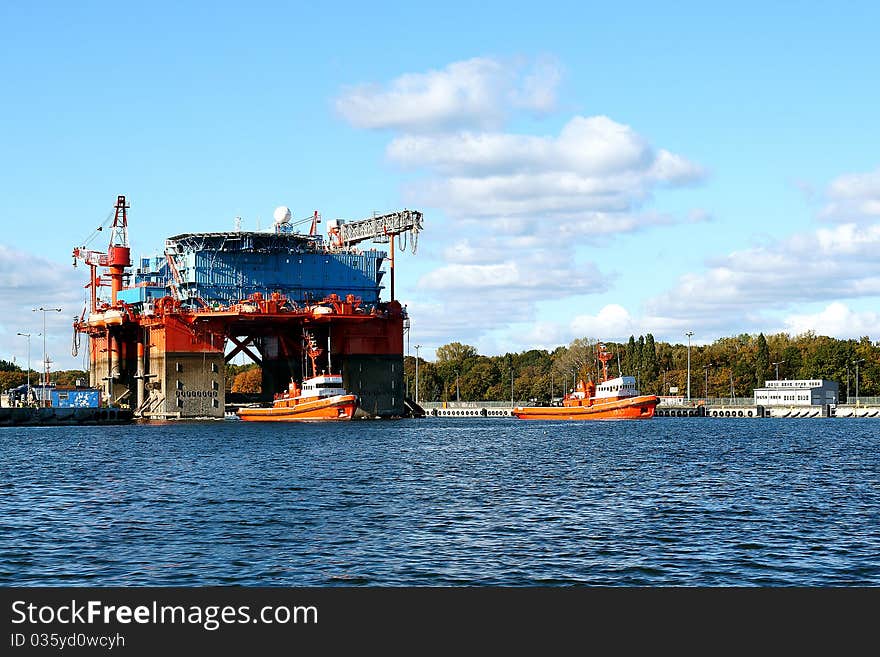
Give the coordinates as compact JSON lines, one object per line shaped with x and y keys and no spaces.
{"x":117,"y":258}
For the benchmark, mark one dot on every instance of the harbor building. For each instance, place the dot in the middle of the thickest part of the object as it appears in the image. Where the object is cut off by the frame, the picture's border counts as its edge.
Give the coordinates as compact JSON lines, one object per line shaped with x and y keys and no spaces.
{"x":797,"y":392}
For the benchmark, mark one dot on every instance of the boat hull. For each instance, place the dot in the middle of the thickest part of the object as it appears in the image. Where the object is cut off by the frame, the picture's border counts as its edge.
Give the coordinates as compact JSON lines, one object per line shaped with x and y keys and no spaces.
{"x":633,"y":408}
{"x":339,"y":408}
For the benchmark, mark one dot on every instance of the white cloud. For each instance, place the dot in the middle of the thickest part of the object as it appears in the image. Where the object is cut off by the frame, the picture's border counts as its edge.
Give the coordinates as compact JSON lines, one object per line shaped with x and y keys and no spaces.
{"x":806,"y":267}
{"x":515,"y":207}
{"x":519,"y":205}
{"x":853,"y":197}
{"x":595,"y":165}
{"x":837,"y":320}
{"x":612,"y":322}
{"x":521,"y":280}
{"x":28,"y":281}
{"x":475,"y":92}
{"x":594,"y":168}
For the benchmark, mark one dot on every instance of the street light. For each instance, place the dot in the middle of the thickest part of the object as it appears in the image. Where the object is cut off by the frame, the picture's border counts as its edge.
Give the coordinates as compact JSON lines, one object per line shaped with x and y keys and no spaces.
{"x":856,"y":362}
{"x":689,"y":334}
{"x":777,"y":364}
{"x":45,"y":361}
{"x":28,"y":336}
{"x":418,"y":346}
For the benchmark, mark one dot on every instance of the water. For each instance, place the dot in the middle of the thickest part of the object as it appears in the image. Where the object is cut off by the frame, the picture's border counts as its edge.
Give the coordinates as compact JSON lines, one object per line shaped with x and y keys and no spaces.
{"x":683,"y":502}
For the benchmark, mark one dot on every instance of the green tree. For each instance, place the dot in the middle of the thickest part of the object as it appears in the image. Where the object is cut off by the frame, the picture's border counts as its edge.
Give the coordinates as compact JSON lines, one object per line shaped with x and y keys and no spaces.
{"x":630,"y":358}
{"x":69,"y":377}
{"x":478,"y":378}
{"x":579,"y":359}
{"x":762,"y":360}
{"x":649,"y":365}
{"x":455,"y":352}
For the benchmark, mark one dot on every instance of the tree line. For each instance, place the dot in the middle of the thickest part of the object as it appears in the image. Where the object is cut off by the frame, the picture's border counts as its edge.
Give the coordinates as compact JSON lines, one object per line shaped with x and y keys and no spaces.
{"x":12,"y":376}
{"x":731,"y":366}
{"x":728,"y":367}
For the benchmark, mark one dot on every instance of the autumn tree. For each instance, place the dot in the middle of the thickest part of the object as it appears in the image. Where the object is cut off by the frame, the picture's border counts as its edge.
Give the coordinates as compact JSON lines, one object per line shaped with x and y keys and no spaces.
{"x":249,"y":381}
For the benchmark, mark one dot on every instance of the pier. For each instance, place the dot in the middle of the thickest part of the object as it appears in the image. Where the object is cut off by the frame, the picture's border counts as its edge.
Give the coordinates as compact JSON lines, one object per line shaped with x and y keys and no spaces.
{"x":717,"y":409}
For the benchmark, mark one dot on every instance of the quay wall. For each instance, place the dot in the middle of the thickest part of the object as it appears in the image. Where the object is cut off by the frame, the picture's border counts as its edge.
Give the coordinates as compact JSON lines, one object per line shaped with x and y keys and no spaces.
{"x":709,"y":411}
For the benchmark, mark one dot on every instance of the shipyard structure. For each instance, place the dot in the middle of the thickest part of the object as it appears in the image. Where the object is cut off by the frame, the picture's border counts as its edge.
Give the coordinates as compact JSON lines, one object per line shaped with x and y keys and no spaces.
{"x":160,"y":342}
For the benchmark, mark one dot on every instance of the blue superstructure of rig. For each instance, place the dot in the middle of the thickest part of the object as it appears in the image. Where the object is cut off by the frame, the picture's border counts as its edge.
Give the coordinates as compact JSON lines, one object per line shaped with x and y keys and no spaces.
{"x":222,"y":268}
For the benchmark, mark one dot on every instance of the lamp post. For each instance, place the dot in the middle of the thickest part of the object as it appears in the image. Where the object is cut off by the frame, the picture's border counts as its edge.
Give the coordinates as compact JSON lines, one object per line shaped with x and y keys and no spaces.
{"x":689,"y":334}
{"x":418,"y":346}
{"x":856,"y":362}
{"x":777,"y":364}
{"x":28,"y":393}
{"x":45,"y":361}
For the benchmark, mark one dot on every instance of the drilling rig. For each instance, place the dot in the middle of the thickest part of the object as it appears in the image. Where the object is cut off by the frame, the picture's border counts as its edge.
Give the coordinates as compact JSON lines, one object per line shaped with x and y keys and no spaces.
{"x":162,"y":343}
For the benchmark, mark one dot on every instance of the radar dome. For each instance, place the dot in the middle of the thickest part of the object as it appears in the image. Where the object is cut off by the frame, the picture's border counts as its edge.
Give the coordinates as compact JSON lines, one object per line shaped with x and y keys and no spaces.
{"x":282,"y":215}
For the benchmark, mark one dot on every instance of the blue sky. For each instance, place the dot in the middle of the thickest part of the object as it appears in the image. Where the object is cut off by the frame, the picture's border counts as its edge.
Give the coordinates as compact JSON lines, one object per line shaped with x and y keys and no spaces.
{"x":585,"y":170}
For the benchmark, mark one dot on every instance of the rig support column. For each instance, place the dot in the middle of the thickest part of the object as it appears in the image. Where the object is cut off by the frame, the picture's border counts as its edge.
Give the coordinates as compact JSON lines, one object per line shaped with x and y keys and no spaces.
{"x":113,"y":344}
{"x":140,"y":374}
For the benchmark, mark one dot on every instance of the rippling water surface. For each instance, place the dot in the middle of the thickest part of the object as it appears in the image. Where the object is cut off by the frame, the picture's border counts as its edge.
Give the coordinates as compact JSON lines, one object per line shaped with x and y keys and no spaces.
{"x":683,"y":501}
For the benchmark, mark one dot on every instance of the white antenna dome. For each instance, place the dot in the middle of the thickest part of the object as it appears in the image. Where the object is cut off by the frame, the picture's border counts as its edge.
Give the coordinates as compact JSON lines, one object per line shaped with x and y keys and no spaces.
{"x":282,"y":215}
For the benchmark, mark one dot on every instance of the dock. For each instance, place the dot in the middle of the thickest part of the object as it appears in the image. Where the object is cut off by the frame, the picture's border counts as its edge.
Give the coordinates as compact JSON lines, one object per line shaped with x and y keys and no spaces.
{"x":715,"y":409}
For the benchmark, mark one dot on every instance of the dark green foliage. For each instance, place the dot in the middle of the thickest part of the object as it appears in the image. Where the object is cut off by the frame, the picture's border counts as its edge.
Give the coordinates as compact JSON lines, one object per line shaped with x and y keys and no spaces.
{"x":762,"y":361}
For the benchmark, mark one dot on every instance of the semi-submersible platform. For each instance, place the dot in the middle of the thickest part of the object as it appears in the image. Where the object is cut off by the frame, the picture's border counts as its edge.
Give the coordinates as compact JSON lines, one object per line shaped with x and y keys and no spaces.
{"x":160,"y":342}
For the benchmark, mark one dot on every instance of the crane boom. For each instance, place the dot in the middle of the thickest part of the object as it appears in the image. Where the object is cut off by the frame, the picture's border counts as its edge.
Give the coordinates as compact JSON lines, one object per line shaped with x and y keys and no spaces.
{"x":378,"y":227}
{"x":381,"y":228}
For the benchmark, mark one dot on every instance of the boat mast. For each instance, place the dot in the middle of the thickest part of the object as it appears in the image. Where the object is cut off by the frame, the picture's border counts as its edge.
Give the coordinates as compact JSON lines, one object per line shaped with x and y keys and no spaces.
{"x":604,"y":356}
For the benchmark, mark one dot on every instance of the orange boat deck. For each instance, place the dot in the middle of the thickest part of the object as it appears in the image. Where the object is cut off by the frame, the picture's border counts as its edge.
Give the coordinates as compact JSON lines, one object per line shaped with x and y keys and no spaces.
{"x":337,"y":408}
{"x":630,"y":408}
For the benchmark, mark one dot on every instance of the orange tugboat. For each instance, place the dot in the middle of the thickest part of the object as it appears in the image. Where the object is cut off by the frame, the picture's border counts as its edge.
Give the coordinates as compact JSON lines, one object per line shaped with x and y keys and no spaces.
{"x":321,"y":397}
{"x":612,"y":399}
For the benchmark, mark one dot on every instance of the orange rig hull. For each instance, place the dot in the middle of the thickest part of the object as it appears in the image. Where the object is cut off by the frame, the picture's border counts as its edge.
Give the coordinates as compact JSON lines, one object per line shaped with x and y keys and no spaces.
{"x":341,"y":407}
{"x":632,"y":408}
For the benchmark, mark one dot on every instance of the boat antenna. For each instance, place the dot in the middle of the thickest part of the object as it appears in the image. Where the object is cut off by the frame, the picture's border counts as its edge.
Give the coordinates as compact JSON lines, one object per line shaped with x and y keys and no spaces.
{"x":619,"y":371}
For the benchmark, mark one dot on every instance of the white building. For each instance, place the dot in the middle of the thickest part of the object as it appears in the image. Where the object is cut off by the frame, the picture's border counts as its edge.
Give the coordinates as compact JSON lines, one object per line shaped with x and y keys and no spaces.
{"x":797,"y":392}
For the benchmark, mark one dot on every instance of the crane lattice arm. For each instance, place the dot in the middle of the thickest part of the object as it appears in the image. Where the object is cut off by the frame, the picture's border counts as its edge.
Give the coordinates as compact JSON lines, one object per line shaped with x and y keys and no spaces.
{"x":381,"y":227}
